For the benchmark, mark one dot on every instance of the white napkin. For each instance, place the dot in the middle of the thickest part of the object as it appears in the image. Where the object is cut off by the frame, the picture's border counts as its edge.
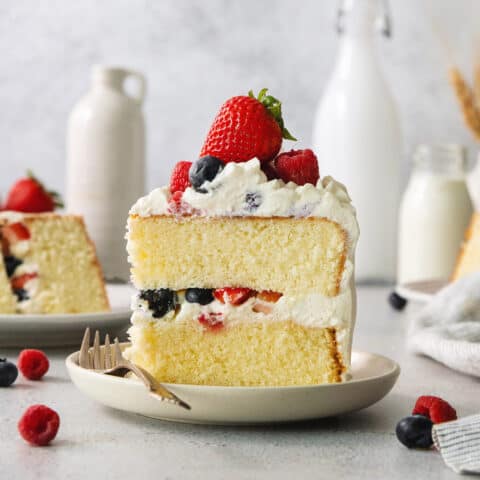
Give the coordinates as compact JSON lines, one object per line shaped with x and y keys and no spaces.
{"x":448,"y":328}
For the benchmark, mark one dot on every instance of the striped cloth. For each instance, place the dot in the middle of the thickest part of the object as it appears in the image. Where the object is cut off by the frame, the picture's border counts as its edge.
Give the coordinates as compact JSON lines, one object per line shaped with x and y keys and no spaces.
{"x":459,"y":443}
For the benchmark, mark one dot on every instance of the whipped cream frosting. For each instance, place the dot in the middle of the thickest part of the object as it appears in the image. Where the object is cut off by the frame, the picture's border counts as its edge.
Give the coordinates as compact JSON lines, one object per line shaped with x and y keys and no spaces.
{"x":242,"y":189}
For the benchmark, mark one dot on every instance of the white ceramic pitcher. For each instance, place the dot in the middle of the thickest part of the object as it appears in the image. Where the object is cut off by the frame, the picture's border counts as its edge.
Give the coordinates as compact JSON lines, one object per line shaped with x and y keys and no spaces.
{"x":105,"y":154}
{"x":358,"y":139}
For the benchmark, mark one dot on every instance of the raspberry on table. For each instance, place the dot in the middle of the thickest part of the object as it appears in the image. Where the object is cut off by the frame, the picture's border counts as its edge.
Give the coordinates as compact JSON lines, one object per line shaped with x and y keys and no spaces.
{"x":434,"y":408}
{"x":39,"y":425}
{"x":33,"y":364}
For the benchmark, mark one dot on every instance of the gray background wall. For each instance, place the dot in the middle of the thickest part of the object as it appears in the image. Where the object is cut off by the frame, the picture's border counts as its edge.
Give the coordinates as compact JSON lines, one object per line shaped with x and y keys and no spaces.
{"x":196,"y":54}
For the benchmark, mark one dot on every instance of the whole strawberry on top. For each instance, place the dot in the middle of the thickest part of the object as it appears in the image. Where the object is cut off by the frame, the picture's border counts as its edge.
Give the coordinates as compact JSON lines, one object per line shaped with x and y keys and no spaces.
{"x":28,"y":195}
{"x":247,"y":127}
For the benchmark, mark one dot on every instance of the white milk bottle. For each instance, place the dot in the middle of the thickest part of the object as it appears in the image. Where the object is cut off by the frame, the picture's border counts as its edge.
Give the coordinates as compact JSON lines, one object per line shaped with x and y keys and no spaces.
{"x":357,"y":137}
{"x":434,"y":214}
{"x":105,"y":169}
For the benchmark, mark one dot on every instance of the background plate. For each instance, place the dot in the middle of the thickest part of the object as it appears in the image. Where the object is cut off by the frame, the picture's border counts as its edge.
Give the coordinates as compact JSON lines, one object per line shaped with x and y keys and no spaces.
{"x":421,"y":291}
{"x":373,"y":376}
{"x":66,"y":329}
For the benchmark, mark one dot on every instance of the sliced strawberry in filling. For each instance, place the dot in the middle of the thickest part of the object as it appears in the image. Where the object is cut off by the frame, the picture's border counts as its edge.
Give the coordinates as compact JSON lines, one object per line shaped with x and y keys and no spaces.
{"x":213,"y":321}
{"x":19,"y":282}
{"x":269,"y":296}
{"x":15,"y":232}
{"x":5,"y":247}
{"x":234,"y":296}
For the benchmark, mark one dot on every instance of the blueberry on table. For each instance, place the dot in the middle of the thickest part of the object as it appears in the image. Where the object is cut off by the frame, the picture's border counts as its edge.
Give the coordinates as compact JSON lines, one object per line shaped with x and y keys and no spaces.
{"x":203,"y":296}
{"x":8,"y":372}
{"x":160,"y":301}
{"x":11,"y":263}
{"x":415,"y":431}
{"x":396,"y":301}
{"x":203,"y":170}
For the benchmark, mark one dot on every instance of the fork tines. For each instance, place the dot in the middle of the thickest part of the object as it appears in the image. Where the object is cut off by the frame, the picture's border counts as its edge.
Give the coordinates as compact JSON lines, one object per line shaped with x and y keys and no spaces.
{"x":96,"y":357}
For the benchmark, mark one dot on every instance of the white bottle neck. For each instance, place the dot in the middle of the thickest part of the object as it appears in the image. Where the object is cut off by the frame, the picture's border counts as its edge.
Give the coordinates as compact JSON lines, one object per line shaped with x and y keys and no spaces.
{"x":363,"y":19}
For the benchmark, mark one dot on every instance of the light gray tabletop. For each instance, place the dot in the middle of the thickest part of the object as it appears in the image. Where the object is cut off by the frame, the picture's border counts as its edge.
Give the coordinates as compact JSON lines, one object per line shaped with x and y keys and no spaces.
{"x":98,"y":443}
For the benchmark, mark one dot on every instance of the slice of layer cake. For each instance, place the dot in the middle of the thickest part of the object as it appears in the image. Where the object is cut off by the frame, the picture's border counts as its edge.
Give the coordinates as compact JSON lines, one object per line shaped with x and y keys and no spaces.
{"x":468,"y":260}
{"x":49,"y":265}
{"x":242,"y":279}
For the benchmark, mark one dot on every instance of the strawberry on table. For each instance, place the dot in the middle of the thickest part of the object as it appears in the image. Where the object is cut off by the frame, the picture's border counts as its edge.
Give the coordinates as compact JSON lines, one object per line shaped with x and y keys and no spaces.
{"x":247,"y":127}
{"x":28,"y":195}
{"x":298,"y":166}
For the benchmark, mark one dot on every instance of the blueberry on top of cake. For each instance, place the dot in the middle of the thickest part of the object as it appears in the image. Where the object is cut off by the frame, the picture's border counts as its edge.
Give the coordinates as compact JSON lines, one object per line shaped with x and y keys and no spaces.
{"x":252,"y":256}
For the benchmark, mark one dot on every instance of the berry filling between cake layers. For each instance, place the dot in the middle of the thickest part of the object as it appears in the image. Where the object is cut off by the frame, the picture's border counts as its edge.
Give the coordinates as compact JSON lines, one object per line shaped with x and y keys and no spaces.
{"x":213,"y":310}
{"x":22,"y":274}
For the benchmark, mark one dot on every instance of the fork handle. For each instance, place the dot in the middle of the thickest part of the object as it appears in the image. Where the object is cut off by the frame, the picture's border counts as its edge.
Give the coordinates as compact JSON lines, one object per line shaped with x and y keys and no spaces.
{"x":149,"y":381}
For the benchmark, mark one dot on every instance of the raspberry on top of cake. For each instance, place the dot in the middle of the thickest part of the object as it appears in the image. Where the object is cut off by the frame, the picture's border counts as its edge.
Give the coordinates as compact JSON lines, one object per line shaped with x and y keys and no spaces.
{"x":244,"y":262}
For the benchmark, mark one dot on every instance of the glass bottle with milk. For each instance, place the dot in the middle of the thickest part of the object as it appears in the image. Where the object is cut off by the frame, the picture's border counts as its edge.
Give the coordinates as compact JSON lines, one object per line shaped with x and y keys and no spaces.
{"x":357,"y":136}
{"x":434,"y":213}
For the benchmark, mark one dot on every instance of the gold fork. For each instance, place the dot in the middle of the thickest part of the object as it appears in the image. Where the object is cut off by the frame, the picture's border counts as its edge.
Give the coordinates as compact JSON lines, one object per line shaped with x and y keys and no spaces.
{"x":109,"y":360}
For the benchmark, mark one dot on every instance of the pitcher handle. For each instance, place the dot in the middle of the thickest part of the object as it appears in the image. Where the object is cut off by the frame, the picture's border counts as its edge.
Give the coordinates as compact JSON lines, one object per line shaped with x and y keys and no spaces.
{"x":142,"y":86}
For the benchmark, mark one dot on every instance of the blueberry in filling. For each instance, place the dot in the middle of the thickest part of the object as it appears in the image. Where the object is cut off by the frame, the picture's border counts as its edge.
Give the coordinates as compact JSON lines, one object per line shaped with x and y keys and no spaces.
{"x":252,"y":201}
{"x":160,"y":301}
{"x":11,"y":263}
{"x":203,"y":296}
{"x":21,"y":294}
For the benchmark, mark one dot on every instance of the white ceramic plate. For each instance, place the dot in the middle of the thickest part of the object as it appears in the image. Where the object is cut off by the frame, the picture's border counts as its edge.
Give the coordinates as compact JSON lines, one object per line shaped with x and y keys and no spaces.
{"x":373,"y":376}
{"x":66,"y":329}
{"x":421,"y":291}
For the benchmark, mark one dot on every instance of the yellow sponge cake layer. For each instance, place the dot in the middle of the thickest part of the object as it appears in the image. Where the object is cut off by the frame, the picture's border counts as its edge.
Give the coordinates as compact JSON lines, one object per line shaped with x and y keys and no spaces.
{"x":247,"y":354}
{"x":70,"y":278}
{"x":279,"y":254}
